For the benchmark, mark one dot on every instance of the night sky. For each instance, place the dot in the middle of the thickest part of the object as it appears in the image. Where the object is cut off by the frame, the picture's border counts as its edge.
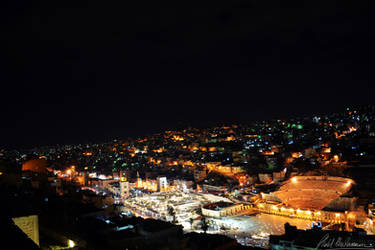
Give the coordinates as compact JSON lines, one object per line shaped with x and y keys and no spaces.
{"x":88,"y":71}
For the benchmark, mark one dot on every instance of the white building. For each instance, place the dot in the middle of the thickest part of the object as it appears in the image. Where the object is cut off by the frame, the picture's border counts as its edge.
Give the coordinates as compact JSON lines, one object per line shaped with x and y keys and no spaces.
{"x":162,"y":183}
{"x":124,"y":188}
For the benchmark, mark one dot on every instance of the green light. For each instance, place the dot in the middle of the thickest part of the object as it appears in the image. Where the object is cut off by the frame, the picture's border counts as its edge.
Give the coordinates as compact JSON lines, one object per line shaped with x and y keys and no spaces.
{"x":299,"y":126}
{"x":259,"y":136}
{"x":271,"y":165}
{"x":293,"y":125}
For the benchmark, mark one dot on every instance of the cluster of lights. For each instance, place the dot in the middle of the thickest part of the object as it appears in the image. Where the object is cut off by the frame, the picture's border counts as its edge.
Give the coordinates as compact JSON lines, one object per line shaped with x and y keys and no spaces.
{"x":298,"y":210}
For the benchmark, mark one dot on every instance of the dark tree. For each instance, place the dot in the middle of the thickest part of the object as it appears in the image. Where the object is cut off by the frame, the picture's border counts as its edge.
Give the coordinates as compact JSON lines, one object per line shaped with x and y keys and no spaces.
{"x":204,"y":224}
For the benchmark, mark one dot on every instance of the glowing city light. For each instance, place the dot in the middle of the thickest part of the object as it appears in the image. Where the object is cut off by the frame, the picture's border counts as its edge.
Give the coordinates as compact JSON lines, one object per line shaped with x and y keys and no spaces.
{"x":294,"y":179}
{"x":337,"y":215}
{"x":336,"y":158}
{"x":71,"y":243}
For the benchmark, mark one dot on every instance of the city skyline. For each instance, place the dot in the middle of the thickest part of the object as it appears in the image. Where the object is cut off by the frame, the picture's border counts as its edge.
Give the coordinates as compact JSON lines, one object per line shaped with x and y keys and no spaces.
{"x":244,"y":183}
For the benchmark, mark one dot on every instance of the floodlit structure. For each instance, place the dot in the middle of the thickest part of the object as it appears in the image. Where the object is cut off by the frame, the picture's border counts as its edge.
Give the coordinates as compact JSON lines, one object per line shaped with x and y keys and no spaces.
{"x":313,"y":192}
{"x":124,"y":188}
{"x":320,"y":198}
{"x":162,"y":183}
{"x":222,"y":209}
{"x":185,"y":205}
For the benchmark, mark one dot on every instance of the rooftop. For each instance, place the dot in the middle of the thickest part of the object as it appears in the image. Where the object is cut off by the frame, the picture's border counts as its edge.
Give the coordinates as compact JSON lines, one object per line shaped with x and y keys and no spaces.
{"x":218,"y":205}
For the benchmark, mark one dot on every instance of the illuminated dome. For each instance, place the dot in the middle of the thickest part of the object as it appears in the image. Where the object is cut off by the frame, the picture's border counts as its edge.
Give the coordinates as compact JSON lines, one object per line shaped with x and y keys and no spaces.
{"x":312,"y":192}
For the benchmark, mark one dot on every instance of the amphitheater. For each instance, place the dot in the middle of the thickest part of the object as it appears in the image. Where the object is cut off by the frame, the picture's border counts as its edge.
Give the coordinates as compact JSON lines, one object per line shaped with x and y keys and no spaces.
{"x":312,"y":192}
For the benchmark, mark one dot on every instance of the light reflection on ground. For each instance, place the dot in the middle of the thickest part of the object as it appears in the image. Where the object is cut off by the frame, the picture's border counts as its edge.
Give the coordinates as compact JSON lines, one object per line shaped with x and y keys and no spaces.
{"x":267,"y":223}
{"x":254,"y":230}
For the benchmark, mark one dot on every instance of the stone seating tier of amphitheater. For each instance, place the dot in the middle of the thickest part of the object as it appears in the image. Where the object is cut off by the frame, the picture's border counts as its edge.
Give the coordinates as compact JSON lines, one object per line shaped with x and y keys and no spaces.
{"x":312,"y":192}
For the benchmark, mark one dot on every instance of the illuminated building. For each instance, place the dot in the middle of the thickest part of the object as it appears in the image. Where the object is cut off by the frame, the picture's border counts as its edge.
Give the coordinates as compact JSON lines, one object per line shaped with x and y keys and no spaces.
{"x":200,"y":174}
{"x":311,"y":197}
{"x":162,"y":184}
{"x":37,"y":165}
{"x":296,"y":154}
{"x":316,"y":192}
{"x":139,"y":181}
{"x":264,"y":178}
{"x":225,"y":170}
{"x":371,"y":210}
{"x":183,"y":185}
{"x":222,"y":209}
{"x":124,"y":188}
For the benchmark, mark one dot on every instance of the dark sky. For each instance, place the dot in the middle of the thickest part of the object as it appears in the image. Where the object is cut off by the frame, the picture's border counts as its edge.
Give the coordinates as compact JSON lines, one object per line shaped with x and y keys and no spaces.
{"x":79,"y":71}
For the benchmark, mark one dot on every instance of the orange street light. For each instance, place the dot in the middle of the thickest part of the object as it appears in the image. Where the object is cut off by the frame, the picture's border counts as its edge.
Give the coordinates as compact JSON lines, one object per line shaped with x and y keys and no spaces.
{"x":336,"y":158}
